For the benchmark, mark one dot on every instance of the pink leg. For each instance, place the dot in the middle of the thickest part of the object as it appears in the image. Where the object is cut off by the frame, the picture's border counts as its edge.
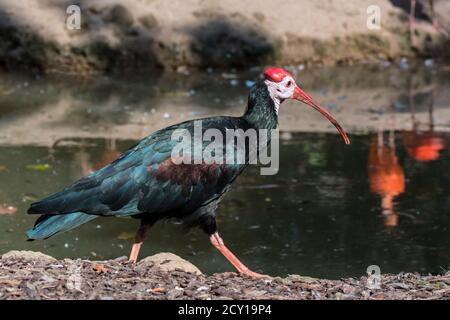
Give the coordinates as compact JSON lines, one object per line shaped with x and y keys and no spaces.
{"x":217,"y":242}
{"x":436,"y":25}
{"x":433,"y":16}
{"x":138,"y":241}
{"x":135,"y":251}
{"x":412,"y":13}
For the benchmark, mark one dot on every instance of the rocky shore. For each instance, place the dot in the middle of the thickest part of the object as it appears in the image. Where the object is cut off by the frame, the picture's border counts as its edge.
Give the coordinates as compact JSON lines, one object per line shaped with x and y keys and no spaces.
{"x":137,"y":35}
{"x":33,"y":275}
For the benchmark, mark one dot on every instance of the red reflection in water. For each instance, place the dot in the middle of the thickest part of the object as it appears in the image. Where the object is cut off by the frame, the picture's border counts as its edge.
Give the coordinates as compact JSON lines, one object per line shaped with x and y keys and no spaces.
{"x":423,"y":145}
{"x":109,"y":155}
{"x":89,"y":165}
{"x":386,"y":176}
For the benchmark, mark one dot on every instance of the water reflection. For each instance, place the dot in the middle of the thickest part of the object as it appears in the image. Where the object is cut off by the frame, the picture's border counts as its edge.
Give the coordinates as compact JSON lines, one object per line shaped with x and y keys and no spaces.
{"x":423,"y":145}
{"x":130,"y":108}
{"x":87,"y":163}
{"x":330,"y":212}
{"x":109,"y":154}
{"x":386,"y":176}
{"x":316,"y":217}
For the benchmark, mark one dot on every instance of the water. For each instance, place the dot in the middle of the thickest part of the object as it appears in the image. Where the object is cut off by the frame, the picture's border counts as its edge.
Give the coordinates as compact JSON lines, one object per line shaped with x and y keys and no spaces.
{"x":322,"y":215}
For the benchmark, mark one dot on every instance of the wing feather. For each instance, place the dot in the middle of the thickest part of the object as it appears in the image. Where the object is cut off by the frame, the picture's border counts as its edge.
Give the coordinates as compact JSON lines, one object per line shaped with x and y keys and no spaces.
{"x":143,"y":180}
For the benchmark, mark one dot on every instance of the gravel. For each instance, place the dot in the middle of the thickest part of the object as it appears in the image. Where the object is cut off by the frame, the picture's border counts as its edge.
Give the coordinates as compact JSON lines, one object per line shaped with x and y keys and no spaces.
{"x":118,"y":279}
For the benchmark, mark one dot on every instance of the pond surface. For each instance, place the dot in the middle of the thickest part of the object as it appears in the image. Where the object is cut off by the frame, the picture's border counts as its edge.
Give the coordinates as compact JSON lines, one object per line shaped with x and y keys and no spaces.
{"x":331,"y":211}
{"x":320,"y":216}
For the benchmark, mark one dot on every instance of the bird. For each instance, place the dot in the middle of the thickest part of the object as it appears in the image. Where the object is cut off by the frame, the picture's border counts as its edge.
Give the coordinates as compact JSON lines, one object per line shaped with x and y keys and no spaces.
{"x":146,"y":183}
{"x":430,"y":10}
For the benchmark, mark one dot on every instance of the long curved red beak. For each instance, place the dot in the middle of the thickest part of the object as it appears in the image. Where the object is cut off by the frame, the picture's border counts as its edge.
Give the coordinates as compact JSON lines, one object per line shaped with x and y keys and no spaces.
{"x":302,"y":96}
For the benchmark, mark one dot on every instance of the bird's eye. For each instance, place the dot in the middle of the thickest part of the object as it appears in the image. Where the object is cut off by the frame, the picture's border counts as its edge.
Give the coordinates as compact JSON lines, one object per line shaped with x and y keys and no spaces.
{"x":289,"y":83}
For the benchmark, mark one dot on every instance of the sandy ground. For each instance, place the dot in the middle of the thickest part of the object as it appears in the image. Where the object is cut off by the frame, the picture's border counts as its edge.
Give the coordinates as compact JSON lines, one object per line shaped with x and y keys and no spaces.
{"x":116,"y":35}
{"x":29,"y":275}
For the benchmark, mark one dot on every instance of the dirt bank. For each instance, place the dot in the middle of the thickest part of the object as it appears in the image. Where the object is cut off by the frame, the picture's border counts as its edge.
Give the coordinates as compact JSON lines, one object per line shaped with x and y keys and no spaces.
{"x":139,"y":34}
{"x":31,"y":275}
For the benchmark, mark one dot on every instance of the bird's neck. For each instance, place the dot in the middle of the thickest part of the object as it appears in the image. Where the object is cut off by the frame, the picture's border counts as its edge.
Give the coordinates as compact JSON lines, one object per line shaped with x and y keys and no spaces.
{"x":261,"y":110}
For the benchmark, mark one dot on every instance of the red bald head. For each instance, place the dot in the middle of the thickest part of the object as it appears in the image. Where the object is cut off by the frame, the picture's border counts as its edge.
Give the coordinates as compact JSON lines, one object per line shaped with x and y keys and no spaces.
{"x":281,"y":86}
{"x":276,"y":74}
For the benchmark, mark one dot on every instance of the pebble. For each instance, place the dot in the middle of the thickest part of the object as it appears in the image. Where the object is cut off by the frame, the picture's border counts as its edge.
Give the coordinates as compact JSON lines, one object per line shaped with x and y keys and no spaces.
{"x":404,"y":64}
{"x":249,"y":83}
{"x":428,"y":63}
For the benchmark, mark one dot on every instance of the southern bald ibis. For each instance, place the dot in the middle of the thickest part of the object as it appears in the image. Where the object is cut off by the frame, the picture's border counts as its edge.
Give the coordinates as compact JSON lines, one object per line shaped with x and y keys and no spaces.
{"x":145,"y":183}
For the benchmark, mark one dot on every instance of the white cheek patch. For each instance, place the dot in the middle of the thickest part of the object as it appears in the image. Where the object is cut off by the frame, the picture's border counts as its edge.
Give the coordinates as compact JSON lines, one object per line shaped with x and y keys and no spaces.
{"x":288,"y":91}
{"x":272,"y":88}
{"x":280,"y":91}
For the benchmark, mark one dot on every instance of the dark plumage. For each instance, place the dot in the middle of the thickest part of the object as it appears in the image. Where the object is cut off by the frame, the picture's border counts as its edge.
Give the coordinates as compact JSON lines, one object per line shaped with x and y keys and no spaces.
{"x":145,"y":183}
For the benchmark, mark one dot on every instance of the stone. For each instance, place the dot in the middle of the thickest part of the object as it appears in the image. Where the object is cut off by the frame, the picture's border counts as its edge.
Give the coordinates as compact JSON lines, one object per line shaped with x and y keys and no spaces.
{"x":121,"y":16}
{"x":169,"y":262}
{"x":348,"y":289}
{"x":149,"y":21}
{"x":299,"y":278}
{"x":28,"y":256}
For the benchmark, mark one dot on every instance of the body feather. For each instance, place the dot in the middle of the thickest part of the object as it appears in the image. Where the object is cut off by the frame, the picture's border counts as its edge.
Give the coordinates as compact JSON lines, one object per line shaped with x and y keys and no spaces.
{"x":143,"y":181}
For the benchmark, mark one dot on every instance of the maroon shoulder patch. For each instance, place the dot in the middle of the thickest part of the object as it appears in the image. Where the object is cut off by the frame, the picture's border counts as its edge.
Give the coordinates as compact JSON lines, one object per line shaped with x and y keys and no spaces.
{"x":186,"y":174}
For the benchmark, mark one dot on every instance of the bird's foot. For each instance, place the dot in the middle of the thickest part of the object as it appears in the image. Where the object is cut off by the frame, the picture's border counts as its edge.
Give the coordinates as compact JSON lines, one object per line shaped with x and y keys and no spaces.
{"x":252,"y":274}
{"x":217,"y":242}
